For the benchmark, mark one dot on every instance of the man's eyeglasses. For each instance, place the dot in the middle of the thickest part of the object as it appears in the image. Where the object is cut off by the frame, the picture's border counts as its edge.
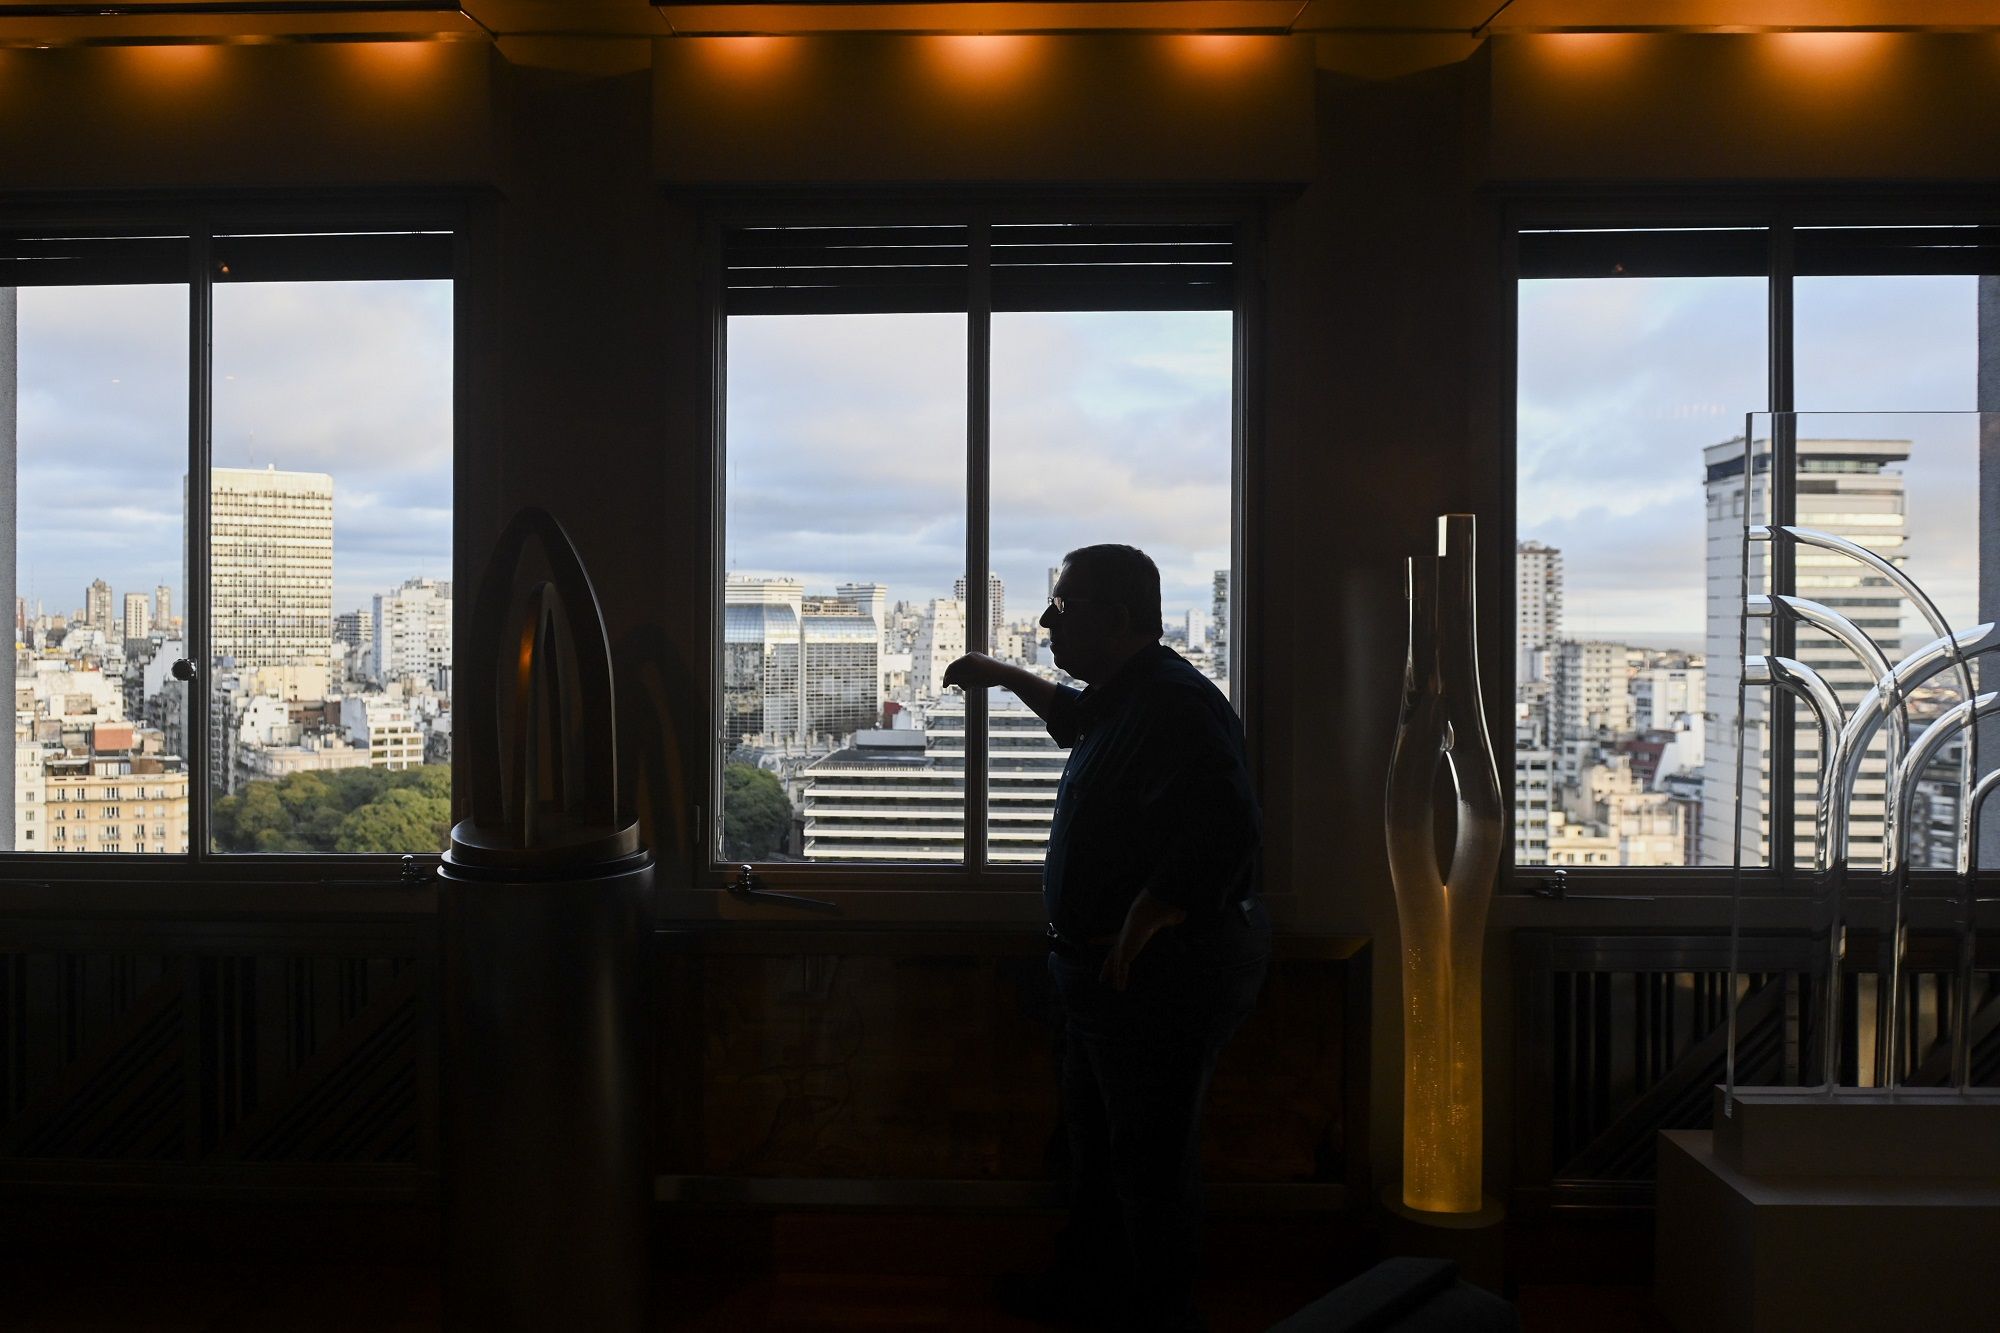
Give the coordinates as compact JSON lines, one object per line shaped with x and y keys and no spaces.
{"x":1061,"y":605}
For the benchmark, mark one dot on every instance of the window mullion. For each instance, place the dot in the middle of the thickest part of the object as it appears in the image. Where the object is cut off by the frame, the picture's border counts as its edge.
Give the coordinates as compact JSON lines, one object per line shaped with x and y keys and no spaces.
{"x":194,"y":580}
{"x":1781,"y":567}
{"x":978,"y":526}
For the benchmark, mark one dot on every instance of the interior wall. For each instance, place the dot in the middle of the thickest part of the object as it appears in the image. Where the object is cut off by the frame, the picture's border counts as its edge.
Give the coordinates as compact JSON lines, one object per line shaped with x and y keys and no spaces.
{"x":584,"y":386}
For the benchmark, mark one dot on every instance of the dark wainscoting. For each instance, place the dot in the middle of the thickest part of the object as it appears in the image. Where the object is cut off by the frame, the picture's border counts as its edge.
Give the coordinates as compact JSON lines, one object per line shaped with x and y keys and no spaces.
{"x":150,"y":1063}
{"x":914,"y":1068}
{"x":1619,"y":1036}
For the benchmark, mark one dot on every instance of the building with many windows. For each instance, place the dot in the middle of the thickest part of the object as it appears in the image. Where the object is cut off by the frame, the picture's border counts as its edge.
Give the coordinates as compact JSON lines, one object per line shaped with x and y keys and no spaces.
{"x":114,"y":794}
{"x":899,"y":795}
{"x":1538,"y":607}
{"x":271,"y":576}
{"x":798,"y":666}
{"x":137,"y":621}
{"x":1852,"y":489}
{"x":410,"y":633}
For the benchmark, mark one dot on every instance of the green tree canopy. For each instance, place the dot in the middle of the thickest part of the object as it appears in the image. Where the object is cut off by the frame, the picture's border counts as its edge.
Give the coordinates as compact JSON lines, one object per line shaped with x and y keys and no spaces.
{"x":339,"y":810}
{"x":756,"y":817}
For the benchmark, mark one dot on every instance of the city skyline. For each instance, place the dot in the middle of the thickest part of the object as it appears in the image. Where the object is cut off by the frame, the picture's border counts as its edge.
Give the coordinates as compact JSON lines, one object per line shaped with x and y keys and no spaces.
{"x":103,"y":395}
{"x":847,"y":445}
{"x":1623,"y":382}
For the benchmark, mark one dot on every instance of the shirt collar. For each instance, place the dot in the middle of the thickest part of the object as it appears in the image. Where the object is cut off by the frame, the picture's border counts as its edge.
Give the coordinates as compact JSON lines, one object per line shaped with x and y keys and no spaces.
{"x":1096,"y":699}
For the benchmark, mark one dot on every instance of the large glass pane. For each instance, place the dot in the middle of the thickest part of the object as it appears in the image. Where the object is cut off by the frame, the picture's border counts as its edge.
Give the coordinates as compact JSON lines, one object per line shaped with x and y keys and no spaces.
{"x":96,"y":448}
{"x":1107,"y":427}
{"x":1631,"y":504}
{"x":330,"y":567}
{"x":843,"y":592}
{"x":1889,"y":456}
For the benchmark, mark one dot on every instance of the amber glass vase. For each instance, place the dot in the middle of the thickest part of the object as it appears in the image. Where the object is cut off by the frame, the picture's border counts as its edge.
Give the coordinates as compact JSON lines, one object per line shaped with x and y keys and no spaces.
{"x":1442,"y":910}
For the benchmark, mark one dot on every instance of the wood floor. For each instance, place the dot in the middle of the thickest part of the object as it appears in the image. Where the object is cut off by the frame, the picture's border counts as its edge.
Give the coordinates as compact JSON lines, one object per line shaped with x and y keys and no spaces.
{"x":742,"y":1273}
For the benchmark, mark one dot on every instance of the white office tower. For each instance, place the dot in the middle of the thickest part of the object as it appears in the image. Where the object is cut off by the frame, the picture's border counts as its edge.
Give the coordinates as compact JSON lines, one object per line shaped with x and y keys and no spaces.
{"x":797,"y":667}
{"x":412,"y":633}
{"x":163,"y":607}
{"x":137,"y":621}
{"x":996,"y":607}
{"x":1590,"y":695}
{"x":872,"y":599}
{"x":1848,"y":488}
{"x":271,"y":576}
{"x":1218,"y":615}
{"x":940,"y":642}
{"x":384,"y":727}
{"x":1534,"y":798}
{"x":1196,"y":622}
{"x":97,"y":611}
{"x":1538,"y":608}
{"x":899,"y":795}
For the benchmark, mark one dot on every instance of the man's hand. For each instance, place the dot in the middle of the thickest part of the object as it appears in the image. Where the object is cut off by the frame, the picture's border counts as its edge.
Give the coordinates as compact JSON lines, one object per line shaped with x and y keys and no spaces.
{"x":1147,"y":917}
{"x":976,"y":671}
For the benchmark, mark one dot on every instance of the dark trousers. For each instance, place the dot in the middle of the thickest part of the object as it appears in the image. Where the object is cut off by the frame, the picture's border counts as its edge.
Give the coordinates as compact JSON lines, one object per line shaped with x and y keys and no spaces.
{"x":1135,"y":1072}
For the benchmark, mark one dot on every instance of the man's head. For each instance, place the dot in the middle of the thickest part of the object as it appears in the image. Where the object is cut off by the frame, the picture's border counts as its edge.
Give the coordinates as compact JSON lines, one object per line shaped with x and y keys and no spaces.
{"x":1105,"y":608}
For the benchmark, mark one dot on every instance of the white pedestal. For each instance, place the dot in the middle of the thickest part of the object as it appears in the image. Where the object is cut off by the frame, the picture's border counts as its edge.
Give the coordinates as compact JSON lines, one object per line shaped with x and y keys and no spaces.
{"x":1857,"y":1214}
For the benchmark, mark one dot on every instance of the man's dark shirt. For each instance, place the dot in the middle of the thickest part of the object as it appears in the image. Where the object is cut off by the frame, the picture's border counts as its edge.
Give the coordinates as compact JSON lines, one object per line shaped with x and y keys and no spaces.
{"x":1155,"y":796}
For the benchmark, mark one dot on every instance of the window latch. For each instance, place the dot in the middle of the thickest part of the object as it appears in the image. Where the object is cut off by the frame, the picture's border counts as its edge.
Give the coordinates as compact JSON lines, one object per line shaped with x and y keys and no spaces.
{"x":1556,"y":889}
{"x":744,"y":889}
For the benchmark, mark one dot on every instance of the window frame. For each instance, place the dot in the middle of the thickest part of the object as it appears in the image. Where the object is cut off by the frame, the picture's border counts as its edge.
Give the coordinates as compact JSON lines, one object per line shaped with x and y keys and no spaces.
{"x":1779,"y":215}
{"x":973,"y":886}
{"x":197,"y":222}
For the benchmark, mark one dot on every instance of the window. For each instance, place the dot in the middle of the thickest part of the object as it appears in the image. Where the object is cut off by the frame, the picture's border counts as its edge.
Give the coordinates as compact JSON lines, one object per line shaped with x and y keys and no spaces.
{"x":1847,"y":357}
{"x":305,"y":376}
{"x":905,"y":405}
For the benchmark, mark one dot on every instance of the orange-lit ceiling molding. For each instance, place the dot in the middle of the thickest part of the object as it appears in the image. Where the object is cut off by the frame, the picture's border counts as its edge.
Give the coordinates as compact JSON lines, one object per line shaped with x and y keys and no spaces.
{"x":1474,"y":18}
{"x":37,"y":23}
{"x":981,"y":16}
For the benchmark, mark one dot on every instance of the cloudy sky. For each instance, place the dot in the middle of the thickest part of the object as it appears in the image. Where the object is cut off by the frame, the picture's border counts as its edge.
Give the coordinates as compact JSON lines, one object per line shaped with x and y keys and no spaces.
{"x":846,"y":457}
{"x":1623,"y":384}
{"x":846,"y":433}
{"x":347,"y":378}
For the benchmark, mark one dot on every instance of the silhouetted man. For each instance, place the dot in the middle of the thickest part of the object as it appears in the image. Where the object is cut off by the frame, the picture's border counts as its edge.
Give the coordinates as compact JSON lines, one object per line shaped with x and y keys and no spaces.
{"x":1156,"y":945}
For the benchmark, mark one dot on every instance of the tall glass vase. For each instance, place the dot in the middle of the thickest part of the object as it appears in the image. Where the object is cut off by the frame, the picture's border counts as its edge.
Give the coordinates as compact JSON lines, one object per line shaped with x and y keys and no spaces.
{"x":1442,"y":912}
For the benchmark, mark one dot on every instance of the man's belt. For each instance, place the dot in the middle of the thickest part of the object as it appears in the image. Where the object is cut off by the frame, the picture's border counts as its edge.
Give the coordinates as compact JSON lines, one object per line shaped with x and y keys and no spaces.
{"x":1068,"y":946}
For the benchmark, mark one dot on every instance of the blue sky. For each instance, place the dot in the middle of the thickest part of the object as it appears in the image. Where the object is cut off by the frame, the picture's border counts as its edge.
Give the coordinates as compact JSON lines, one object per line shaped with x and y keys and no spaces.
{"x":352,"y":379}
{"x":847,"y":448}
{"x":847,"y":433}
{"x":1623,"y":383}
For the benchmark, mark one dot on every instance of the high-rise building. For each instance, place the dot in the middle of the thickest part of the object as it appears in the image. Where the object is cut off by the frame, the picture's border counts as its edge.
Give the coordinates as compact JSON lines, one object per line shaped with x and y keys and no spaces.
{"x":899,"y":795}
{"x":356,"y":629}
{"x":1538,"y":607}
{"x":797,"y":666}
{"x":843,"y":667}
{"x":1851,"y":489}
{"x":1196,"y":628}
{"x":1589,"y":695}
{"x":163,"y":607}
{"x":271,"y":575}
{"x":410,"y":632}
{"x":996,"y":606}
{"x":97,"y":611}
{"x":1218,"y":617}
{"x":940,"y":642}
{"x":870,"y":598}
{"x":138,"y":617}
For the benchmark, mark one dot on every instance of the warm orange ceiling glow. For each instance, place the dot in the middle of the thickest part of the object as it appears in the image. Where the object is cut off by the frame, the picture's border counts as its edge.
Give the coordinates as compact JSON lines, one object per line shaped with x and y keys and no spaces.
{"x":180,"y":65}
{"x":1217,"y":51}
{"x":1829,"y":52}
{"x":748,"y":55}
{"x":979,"y":59}
{"x":390,"y":65}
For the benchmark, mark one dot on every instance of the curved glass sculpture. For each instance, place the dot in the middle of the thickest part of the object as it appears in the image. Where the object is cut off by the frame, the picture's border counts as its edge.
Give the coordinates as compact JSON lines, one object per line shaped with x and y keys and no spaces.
{"x":1442,"y":912}
{"x":1872,"y":600}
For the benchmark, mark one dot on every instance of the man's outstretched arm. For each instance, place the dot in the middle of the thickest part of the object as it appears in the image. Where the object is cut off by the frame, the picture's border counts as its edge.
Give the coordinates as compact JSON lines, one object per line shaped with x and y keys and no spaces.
{"x":977,"y":671}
